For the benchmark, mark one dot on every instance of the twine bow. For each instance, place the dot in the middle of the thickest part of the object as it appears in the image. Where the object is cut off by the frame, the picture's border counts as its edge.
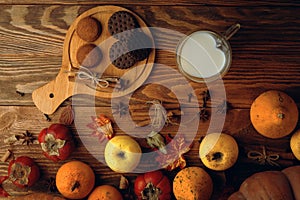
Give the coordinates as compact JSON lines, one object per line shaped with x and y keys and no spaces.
{"x":263,"y":158}
{"x":86,"y":74}
{"x":158,"y":120}
{"x":160,"y":115}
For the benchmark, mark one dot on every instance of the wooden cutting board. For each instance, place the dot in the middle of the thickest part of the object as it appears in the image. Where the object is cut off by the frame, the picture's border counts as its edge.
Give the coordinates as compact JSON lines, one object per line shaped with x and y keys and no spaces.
{"x":66,"y":84}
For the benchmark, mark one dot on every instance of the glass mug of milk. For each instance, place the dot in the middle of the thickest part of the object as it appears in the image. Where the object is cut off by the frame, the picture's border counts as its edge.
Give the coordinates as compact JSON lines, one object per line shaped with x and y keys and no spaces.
{"x":204,"y":55}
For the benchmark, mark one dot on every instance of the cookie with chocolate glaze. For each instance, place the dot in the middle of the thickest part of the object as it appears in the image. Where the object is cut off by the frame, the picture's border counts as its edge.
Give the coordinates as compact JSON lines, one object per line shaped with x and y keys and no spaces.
{"x":140,"y":45}
{"x":121,"y":23}
{"x":120,"y":56}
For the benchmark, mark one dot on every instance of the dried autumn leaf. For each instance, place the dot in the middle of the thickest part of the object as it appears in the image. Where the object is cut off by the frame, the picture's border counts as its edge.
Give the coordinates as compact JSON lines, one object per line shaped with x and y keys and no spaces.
{"x":101,"y":127}
{"x":156,"y":140}
{"x":7,"y":120}
{"x":67,"y":115}
{"x":124,"y":183}
{"x":10,"y":140}
{"x":174,"y":158}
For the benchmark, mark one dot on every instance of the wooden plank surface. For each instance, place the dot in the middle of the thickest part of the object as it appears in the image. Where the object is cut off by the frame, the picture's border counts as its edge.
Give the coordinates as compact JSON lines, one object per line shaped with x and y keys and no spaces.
{"x":157,"y":2}
{"x":265,"y":50}
{"x":265,"y":56}
{"x":247,"y":138}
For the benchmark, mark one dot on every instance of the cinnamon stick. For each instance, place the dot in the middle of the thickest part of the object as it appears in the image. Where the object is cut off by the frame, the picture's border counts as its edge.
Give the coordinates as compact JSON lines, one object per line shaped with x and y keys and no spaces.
{"x":6,"y":156}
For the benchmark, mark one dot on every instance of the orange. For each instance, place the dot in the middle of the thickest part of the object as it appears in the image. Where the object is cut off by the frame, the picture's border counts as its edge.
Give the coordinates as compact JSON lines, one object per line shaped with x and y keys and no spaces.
{"x":105,"y":192}
{"x":75,"y":180}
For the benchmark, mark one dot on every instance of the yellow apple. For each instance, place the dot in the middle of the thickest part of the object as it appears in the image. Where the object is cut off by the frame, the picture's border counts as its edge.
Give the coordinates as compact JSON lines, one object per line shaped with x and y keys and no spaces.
{"x":122,"y":154}
{"x":218,"y":151}
{"x":295,"y":144}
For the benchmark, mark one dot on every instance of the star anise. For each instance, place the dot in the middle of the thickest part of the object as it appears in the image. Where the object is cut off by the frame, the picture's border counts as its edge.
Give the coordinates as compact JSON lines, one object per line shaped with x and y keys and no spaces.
{"x":203,"y":114}
{"x":190,"y":96}
{"x":205,"y":98}
{"x":27,"y":138}
{"x":51,"y":185}
{"x":222,"y":108}
{"x":120,"y":108}
{"x":123,"y":83}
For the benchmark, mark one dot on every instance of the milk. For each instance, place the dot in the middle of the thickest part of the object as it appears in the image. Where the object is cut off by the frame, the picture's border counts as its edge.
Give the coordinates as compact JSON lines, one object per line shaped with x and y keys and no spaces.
{"x":200,"y":57}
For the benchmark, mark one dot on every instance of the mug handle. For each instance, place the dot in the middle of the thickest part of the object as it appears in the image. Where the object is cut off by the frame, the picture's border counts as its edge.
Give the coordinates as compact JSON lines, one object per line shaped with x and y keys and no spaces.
{"x":231,"y":31}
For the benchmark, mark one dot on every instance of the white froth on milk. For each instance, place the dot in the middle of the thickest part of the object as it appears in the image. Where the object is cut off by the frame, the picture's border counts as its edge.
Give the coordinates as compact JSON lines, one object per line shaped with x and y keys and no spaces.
{"x":200,"y":57}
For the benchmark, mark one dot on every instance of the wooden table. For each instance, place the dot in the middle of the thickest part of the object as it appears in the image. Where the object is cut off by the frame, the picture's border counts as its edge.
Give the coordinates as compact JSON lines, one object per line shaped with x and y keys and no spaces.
{"x":265,"y":56}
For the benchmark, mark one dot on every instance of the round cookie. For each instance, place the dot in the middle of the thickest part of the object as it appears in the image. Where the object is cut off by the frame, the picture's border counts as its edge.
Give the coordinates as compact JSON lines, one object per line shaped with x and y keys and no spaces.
{"x":139,"y":45}
{"x":120,"y":23}
{"x":89,"y":29}
{"x":120,"y":57}
{"x":89,"y":55}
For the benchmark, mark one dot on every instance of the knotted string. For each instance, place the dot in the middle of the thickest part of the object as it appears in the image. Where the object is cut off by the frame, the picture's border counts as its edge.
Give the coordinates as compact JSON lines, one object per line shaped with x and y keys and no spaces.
{"x":263,"y":158}
{"x":158,"y":120}
{"x":86,"y":75}
{"x":160,"y":116}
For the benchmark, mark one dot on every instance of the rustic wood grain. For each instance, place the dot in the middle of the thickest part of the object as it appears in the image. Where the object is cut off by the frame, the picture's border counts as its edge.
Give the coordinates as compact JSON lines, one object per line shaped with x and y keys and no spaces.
{"x":247,"y":138}
{"x":265,"y":56}
{"x":156,"y":2}
{"x":265,"y":50}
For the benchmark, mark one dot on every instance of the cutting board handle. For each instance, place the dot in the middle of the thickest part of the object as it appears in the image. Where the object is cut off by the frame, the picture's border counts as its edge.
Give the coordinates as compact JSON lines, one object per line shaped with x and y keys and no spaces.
{"x":50,"y":96}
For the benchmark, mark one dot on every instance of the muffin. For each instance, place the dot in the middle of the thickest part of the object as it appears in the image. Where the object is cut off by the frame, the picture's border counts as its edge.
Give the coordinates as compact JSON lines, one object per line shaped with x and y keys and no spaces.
{"x":89,"y":55}
{"x":89,"y":29}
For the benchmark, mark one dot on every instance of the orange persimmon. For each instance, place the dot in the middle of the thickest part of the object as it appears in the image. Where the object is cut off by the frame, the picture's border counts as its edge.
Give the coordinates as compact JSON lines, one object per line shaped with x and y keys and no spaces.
{"x":274,"y":114}
{"x":192,"y":183}
{"x":75,"y":180}
{"x":105,"y":192}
